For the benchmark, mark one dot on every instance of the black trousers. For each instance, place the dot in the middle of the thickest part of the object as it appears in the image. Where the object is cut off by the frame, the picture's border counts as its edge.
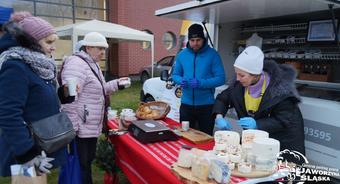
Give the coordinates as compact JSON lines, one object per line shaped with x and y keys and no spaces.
{"x":86,"y":148}
{"x":200,"y":117}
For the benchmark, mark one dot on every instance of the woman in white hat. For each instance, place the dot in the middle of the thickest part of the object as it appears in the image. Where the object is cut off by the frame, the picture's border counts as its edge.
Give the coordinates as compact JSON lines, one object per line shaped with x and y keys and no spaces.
{"x":265,"y":98}
{"x":88,"y":111}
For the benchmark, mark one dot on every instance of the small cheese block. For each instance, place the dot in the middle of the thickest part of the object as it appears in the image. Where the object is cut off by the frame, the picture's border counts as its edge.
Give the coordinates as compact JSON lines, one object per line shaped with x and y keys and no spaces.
{"x":219,"y":171}
{"x":185,"y":158}
{"x":222,"y":157}
{"x":198,"y":152}
{"x":220,"y":147}
{"x":236,"y":158}
{"x":234,"y":149}
{"x":231,"y":165}
{"x":249,"y":135}
{"x":227,"y":137}
{"x":200,"y":168}
{"x":244,"y":167}
{"x":266,"y":148}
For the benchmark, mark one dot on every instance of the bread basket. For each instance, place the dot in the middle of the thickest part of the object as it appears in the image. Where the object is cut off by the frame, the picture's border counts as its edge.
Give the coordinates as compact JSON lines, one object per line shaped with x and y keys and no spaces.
{"x":152,"y":110}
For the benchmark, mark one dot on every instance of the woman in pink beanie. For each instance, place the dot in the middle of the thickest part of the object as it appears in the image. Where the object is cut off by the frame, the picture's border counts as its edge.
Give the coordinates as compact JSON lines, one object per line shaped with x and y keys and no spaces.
{"x":40,"y":30}
{"x":28,"y":91}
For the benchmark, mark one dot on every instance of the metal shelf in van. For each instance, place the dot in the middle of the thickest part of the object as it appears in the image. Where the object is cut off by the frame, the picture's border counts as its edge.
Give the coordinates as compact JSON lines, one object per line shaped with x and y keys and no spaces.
{"x":324,"y":85}
{"x":272,"y":28}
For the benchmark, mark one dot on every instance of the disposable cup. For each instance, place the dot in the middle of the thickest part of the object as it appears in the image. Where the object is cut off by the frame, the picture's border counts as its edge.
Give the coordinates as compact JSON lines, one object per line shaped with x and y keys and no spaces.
{"x":72,"y":86}
{"x":185,"y":125}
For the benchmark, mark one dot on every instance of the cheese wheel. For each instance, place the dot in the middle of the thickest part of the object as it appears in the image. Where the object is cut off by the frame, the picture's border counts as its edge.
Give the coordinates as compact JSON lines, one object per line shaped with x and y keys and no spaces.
{"x":249,"y":135}
{"x":264,"y":164}
{"x":227,"y":137}
{"x":267,"y":148}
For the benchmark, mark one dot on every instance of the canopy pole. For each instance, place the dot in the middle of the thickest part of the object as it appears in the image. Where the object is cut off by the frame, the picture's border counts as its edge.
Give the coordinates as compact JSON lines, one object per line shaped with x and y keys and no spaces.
{"x":152,"y":56}
{"x":74,"y":41}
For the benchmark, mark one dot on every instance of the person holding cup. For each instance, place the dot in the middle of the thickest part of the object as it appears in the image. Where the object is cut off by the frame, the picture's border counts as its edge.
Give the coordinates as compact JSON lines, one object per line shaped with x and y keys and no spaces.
{"x":28,"y":91}
{"x":89,"y":109}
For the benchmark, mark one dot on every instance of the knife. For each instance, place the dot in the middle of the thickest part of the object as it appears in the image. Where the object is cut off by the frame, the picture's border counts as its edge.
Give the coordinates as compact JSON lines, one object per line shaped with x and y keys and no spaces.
{"x":279,"y":174}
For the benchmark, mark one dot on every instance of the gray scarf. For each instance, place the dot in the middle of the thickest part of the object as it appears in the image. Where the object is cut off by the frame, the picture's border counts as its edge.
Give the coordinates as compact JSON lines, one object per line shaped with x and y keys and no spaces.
{"x":43,"y":66}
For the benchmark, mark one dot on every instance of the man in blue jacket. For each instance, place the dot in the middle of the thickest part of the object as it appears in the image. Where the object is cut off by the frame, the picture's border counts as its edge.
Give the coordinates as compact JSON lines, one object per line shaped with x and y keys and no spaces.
{"x":198,"y":70}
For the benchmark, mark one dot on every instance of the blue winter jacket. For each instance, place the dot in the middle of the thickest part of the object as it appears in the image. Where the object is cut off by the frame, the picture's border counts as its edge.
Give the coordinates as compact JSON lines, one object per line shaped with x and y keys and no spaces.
{"x":24,"y":97}
{"x":204,"y":65}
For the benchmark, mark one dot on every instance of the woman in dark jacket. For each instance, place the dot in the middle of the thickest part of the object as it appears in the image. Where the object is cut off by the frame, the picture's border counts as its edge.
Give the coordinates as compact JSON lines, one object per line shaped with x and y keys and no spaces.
{"x":265,"y":98}
{"x":27,"y":92}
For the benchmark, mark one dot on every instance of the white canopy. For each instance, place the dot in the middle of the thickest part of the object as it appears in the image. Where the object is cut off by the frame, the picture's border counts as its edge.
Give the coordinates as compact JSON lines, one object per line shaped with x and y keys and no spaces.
{"x":109,"y":30}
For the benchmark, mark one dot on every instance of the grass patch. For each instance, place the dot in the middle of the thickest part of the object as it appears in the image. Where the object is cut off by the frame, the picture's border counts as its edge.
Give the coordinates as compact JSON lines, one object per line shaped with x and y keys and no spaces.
{"x":127,"y":98}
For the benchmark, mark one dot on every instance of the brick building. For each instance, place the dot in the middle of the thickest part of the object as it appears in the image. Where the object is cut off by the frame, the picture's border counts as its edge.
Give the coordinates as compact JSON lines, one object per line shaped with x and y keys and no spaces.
{"x":127,"y":58}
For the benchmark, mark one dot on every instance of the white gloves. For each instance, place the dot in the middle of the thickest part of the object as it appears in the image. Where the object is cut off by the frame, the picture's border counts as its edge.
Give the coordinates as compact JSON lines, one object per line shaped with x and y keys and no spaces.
{"x":41,"y":162}
{"x":124,"y":82}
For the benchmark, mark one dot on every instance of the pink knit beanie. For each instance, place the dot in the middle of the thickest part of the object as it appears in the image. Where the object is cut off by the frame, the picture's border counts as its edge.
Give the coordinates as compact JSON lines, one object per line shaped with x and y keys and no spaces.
{"x":36,"y":27}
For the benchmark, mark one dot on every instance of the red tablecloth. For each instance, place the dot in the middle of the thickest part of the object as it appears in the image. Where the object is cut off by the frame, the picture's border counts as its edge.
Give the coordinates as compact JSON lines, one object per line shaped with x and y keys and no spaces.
{"x":150,"y":163}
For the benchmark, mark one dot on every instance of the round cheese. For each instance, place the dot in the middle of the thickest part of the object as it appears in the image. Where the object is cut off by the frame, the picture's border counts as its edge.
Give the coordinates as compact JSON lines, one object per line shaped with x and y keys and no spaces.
{"x":249,"y":135}
{"x":267,"y":148}
{"x":227,"y":137}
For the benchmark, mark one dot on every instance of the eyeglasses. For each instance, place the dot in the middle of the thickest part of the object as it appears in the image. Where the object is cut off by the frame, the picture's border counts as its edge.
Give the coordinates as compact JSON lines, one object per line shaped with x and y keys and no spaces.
{"x":100,"y":48}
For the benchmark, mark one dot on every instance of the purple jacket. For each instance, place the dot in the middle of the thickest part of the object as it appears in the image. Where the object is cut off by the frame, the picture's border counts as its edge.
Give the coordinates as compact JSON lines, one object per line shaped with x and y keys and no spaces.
{"x":86,"y":112}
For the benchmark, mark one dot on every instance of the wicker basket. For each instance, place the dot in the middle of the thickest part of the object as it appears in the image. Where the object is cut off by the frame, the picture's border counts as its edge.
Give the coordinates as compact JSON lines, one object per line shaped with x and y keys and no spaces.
{"x":152,"y":110}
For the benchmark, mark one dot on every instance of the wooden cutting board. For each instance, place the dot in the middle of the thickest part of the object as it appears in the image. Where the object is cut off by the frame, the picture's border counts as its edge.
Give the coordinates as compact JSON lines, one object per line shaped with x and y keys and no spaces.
{"x":195,"y":136}
{"x":253,"y":174}
{"x":185,"y":175}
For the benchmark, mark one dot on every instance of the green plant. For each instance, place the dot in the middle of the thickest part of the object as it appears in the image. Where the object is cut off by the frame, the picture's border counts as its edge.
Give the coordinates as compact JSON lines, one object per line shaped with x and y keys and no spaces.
{"x":105,"y":156}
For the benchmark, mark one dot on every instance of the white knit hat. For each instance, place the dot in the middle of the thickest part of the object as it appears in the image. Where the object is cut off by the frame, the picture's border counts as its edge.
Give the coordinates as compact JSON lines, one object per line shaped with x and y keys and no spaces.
{"x":95,"y":39}
{"x":250,"y":60}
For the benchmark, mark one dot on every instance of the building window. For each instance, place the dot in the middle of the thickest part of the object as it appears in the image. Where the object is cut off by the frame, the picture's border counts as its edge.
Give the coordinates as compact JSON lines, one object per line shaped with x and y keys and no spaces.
{"x":63,"y":9}
{"x":62,"y":12}
{"x":169,"y":40}
{"x":146,"y":45}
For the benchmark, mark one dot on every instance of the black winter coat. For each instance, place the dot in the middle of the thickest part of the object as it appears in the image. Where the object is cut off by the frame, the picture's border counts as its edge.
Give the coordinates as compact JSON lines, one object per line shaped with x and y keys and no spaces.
{"x":278,"y":112}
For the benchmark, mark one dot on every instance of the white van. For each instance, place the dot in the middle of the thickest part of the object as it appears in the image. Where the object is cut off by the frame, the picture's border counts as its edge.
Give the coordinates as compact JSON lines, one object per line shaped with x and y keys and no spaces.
{"x":163,"y":89}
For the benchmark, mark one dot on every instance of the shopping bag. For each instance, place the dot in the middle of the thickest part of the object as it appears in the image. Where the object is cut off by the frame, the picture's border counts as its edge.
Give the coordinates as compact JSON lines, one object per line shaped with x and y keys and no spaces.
{"x":24,"y":175}
{"x":20,"y":179}
{"x":70,"y":172}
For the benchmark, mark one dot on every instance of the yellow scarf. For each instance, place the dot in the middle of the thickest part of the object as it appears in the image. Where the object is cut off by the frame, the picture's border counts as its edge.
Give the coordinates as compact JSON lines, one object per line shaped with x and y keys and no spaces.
{"x":252,"y":104}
